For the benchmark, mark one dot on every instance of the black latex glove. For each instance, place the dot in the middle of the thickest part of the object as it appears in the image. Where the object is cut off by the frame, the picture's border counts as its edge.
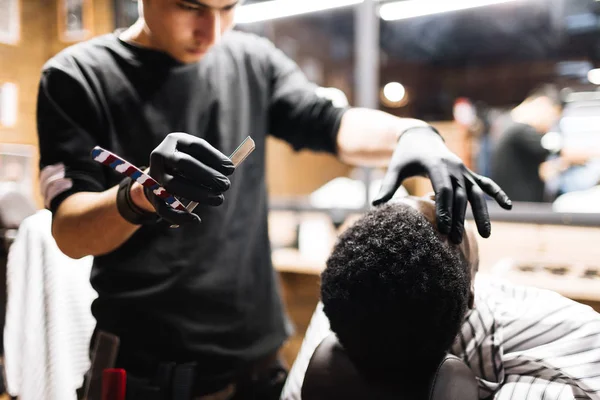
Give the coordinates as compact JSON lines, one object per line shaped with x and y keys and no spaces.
{"x":188,"y":167}
{"x":421,"y":151}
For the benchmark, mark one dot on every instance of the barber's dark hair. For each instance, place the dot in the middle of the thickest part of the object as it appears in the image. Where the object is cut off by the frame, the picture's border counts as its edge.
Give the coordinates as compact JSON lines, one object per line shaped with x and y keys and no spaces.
{"x":395,"y":293}
{"x":549,"y":91}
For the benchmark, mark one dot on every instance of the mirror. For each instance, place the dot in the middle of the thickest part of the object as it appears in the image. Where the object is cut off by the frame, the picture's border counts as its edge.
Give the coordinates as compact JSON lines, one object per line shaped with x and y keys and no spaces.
{"x":508,"y":85}
{"x":476,"y":68}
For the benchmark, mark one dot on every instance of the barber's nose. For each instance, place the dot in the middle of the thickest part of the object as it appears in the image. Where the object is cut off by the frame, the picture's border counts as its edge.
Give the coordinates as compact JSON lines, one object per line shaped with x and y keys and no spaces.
{"x":209,"y":27}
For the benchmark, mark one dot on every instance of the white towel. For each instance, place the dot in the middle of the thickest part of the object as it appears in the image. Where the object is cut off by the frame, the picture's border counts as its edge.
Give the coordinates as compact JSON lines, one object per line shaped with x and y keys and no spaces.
{"x":48,"y":320}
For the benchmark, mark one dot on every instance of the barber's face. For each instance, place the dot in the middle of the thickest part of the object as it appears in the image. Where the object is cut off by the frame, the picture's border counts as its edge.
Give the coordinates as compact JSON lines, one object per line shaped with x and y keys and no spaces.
{"x":546,"y":113}
{"x":187,"y":29}
{"x":468,"y":247}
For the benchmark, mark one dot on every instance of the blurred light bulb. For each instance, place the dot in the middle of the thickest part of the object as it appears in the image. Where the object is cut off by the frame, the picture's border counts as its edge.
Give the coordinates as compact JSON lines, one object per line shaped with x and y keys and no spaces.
{"x":268,"y":10}
{"x":394,"y":92}
{"x":594,"y":76}
{"x":416,"y":8}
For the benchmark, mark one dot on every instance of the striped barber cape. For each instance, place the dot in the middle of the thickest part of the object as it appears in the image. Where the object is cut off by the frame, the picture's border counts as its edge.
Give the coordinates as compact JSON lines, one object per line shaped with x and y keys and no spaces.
{"x":522,"y":343}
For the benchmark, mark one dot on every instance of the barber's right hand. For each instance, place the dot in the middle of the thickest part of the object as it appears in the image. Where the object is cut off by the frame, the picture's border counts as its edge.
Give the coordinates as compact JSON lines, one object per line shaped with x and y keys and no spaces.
{"x":188,"y":167}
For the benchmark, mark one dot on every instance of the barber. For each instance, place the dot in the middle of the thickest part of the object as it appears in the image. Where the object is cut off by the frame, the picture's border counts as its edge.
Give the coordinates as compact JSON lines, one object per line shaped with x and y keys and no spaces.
{"x":175,"y":92}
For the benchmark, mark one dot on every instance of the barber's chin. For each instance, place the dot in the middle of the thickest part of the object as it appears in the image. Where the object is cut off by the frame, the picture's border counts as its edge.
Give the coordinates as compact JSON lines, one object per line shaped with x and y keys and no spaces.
{"x":195,"y":54}
{"x":186,"y":57}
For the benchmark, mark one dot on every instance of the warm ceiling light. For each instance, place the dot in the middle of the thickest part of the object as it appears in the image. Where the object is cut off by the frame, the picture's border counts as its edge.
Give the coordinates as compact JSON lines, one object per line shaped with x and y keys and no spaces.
{"x":393,"y":95}
{"x":286,"y":8}
{"x":394,"y":92}
{"x":417,"y":8}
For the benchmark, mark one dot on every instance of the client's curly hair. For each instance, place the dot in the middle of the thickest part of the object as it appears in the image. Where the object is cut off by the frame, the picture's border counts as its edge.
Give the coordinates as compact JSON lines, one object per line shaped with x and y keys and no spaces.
{"x":395,"y":293}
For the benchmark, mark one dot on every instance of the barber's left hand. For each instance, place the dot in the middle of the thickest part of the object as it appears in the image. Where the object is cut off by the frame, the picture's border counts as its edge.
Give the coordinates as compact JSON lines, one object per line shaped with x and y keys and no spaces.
{"x":422,"y":152}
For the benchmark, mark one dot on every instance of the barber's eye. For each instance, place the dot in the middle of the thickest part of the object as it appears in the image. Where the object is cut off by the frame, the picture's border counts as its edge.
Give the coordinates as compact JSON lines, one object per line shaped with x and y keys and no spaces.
{"x":187,"y":7}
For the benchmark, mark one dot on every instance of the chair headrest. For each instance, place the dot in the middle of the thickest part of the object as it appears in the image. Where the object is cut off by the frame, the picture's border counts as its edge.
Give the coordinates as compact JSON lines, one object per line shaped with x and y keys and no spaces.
{"x":331,"y":375}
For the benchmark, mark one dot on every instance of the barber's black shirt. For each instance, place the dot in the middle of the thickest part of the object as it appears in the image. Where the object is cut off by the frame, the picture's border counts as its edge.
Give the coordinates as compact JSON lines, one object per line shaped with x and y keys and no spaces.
{"x":516,"y":161}
{"x":203,"y":293}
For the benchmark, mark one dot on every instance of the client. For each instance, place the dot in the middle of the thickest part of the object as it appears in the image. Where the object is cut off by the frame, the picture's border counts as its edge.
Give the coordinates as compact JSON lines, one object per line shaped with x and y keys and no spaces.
{"x":399,"y":296}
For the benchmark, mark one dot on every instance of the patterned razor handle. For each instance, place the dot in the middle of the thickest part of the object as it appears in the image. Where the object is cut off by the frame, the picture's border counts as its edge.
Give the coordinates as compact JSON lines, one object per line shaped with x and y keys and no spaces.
{"x":112,"y":160}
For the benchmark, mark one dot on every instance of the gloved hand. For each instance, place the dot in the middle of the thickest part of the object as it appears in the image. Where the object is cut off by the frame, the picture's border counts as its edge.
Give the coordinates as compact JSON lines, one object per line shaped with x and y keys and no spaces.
{"x":422,"y":151}
{"x":188,"y":167}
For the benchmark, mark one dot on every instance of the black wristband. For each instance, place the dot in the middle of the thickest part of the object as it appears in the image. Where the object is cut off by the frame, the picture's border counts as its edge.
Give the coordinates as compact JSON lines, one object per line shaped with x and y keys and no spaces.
{"x":127,"y":208}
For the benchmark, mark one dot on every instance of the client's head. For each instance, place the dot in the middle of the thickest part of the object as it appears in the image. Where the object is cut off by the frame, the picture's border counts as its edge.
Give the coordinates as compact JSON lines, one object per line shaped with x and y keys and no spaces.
{"x":396,"y":291}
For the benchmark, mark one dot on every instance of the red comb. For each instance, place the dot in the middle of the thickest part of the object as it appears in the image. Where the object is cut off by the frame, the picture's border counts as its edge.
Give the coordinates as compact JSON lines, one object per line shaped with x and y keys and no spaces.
{"x":114,"y":384}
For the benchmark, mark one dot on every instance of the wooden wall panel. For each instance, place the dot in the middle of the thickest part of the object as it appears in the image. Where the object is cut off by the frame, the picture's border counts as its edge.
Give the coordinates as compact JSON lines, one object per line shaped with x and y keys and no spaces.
{"x":22,"y":63}
{"x":291,"y":173}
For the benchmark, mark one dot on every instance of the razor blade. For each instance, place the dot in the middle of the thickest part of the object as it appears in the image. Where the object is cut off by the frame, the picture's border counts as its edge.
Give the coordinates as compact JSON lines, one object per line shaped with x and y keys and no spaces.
{"x":236,"y":158}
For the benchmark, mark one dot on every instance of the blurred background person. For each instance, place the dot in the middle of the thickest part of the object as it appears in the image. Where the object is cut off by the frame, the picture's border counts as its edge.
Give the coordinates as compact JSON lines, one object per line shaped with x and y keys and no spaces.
{"x":519,"y":157}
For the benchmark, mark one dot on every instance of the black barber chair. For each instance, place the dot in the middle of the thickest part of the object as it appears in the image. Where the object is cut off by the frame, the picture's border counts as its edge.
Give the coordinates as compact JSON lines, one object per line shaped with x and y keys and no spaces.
{"x":331,"y":375}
